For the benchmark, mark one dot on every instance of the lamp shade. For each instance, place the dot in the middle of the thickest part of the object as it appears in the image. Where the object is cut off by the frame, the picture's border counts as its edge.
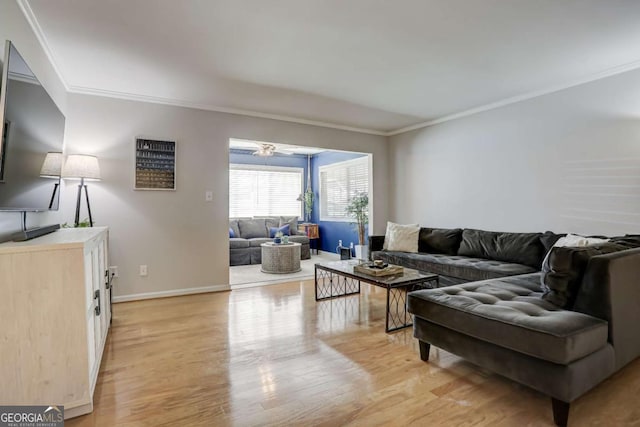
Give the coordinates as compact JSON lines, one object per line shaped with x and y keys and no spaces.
{"x":81,"y":166}
{"x":52,"y":165}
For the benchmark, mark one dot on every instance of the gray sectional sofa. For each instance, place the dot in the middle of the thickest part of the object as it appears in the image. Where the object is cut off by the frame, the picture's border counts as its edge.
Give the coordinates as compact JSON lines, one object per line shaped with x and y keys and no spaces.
{"x":561,"y":331}
{"x":250,"y":233}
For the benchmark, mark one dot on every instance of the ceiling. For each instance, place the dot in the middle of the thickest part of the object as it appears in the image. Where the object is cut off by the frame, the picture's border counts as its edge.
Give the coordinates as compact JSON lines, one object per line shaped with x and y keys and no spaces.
{"x":371,"y":65}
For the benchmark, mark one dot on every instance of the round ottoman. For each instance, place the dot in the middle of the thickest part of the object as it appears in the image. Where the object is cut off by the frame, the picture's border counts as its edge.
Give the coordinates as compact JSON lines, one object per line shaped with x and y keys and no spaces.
{"x":280,"y":259}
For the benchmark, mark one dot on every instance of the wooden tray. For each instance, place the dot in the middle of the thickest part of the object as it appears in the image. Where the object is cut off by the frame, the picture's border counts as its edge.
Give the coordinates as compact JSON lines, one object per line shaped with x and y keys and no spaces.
{"x":378,"y":272}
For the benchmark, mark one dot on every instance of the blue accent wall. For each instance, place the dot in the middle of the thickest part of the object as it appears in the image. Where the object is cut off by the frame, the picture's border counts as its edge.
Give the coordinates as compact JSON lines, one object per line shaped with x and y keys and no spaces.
{"x":330,"y":231}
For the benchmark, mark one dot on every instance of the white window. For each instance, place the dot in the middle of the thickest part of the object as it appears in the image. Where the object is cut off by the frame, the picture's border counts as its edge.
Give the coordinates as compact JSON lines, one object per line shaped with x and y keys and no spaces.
{"x":264,"y":191}
{"x":339,"y":182}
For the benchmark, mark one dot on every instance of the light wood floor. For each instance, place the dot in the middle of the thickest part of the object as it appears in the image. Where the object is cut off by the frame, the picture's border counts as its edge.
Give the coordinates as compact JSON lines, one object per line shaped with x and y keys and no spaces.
{"x":273,"y":356}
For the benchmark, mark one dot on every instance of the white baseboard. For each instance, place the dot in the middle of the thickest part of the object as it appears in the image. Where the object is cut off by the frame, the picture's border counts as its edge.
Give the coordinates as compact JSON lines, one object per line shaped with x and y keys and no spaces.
{"x":329,"y":253}
{"x":171,"y":293}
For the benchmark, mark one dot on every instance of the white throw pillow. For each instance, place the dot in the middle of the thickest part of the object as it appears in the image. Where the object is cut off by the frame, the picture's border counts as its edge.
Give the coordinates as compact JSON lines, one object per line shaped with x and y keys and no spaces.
{"x":389,"y":230}
{"x":573,"y":240}
{"x":401,"y":238}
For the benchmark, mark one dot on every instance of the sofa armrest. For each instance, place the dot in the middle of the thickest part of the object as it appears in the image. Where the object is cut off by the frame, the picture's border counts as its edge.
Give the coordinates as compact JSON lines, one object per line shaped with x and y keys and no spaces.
{"x":611,"y":290}
{"x":375,"y":244}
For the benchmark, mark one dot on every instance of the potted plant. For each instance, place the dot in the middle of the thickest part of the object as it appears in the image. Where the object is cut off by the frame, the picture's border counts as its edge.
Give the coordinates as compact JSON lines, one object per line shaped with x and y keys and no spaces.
{"x":278,"y":238}
{"x":308,"y":204}
{"x":358,"y":210}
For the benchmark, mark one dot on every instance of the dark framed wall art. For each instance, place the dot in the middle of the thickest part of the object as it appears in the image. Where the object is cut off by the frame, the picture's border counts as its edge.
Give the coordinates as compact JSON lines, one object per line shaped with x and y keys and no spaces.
{"x":155,"y":164}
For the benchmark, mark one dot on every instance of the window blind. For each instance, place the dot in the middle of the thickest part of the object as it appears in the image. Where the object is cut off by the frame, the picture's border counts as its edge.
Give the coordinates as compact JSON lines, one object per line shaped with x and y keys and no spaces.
{"x":264,"y":191}
{"x":339,"y":182}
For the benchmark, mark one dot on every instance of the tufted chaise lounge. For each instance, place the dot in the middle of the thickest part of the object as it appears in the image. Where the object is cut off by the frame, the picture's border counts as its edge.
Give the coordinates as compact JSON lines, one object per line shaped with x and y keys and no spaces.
{"x":503,"y":325}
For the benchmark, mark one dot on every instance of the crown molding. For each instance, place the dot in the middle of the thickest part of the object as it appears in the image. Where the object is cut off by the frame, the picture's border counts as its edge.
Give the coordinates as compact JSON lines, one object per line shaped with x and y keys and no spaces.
{"x":523,"y":97}
{"x":487,"y":107}
{"x":186,"y":104}
{"x":25,"y":7}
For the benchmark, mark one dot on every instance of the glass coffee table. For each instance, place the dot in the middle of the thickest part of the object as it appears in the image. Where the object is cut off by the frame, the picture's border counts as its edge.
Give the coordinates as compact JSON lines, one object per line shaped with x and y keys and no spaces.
{"x":338,"y":278}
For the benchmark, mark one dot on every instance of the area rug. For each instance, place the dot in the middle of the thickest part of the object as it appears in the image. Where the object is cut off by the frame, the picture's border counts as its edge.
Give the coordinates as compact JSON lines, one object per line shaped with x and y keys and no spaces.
{"x":244,"y":276}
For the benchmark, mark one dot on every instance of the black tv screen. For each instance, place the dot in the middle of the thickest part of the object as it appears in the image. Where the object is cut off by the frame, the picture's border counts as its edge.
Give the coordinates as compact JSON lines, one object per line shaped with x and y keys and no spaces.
{"x":33,"y":126}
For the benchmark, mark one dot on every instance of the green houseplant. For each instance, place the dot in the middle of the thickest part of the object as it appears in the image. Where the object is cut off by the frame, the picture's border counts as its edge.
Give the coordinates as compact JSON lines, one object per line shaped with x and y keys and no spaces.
{"x":308,"y":203}
{"x":82,"y":224}
{"x":358,"y":210}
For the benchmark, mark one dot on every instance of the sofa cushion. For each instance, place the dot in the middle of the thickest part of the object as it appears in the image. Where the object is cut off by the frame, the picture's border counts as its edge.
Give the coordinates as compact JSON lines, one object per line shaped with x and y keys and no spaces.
{"x":238,"y":243}
{"x":257,"y":241}
{"x":271,"y":223}
{"x":631,"y":241}
{"x":548,"y":239}
{"x":292,"y":221}
{"x":454,"y":266}
{"x":509,"y":313}
{"x":520,"y":248}
{"x":233,"y":225}
{"x":252,"y":228}
{"x":440,"y":240}
{"x":564,"y":268}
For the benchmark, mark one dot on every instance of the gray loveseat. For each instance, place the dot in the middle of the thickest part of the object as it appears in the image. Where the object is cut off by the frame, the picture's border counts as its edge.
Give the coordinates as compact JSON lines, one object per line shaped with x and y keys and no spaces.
{"x":250,"y":233}
{"x":511,"y":322}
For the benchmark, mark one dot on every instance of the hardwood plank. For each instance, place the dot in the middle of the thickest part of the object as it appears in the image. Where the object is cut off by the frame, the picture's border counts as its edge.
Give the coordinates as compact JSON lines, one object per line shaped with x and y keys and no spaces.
{"x":273,"y":356}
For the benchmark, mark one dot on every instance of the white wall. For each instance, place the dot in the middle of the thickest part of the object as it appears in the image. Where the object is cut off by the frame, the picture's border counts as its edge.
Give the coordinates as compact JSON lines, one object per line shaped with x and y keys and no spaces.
{"x":568,"y":161}
{"x":14,"y":27}
{"x":182,"y":239}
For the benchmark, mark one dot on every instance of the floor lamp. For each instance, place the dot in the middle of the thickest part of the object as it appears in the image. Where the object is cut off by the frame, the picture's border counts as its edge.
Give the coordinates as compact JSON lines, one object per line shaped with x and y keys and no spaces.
{"x":82,"y":167}
{"x":51,"y":168}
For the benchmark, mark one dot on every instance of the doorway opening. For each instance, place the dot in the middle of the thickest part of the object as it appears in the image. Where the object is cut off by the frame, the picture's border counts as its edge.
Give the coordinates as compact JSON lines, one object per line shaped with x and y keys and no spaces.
{"x":297,"y":191}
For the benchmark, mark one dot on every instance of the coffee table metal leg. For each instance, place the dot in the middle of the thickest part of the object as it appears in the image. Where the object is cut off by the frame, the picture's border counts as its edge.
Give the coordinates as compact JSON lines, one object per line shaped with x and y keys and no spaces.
{"x":324,"y":284}
{"x":315,"y":275}
{"x":331,"y":285}
{"x":397,"y":316}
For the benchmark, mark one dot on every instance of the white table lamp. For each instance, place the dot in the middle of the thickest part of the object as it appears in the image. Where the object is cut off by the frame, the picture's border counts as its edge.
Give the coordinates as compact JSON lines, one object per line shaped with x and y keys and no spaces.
{"x":81,"y":166}
{"x":51,"y":168}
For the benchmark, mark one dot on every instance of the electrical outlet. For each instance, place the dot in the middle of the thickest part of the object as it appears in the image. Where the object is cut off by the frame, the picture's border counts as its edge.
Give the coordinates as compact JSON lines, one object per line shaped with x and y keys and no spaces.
{"x":113,"y":271}
{"x":143,"y":270}
{"x":208,"y":196}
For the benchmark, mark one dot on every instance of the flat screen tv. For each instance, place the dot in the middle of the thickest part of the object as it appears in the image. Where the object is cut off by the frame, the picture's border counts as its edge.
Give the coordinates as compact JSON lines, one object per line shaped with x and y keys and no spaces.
{"x":32,"y":126}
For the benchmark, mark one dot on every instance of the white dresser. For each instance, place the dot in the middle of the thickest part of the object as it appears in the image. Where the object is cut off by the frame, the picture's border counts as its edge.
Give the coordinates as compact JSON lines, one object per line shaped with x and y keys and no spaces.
{"x":54,"y":318}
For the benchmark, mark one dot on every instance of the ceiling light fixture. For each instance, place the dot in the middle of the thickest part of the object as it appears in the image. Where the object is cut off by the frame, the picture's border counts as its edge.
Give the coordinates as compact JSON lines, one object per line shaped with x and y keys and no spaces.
{"x":265,"y":150}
